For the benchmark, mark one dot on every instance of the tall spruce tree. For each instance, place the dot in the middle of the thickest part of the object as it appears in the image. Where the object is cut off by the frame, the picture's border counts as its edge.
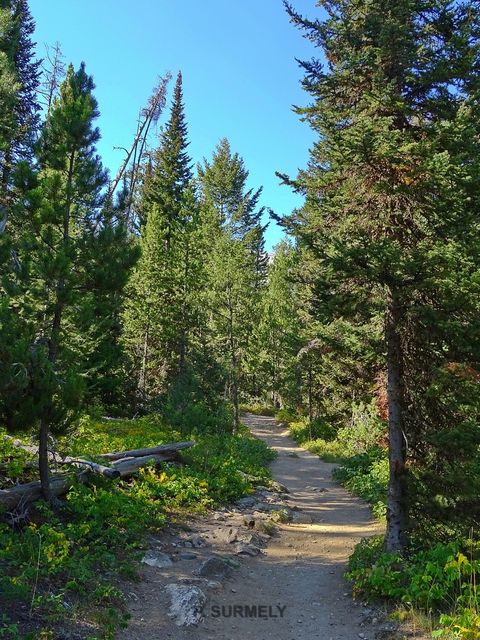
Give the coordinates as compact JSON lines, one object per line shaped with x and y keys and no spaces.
{"x":159,"y":315}
{"x":390,"y":208}
{"x":233,"y":231}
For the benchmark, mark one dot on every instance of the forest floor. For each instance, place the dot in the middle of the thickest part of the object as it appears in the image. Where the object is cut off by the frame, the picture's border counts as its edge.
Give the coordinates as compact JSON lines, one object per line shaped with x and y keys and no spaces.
{"x":293,"y":589}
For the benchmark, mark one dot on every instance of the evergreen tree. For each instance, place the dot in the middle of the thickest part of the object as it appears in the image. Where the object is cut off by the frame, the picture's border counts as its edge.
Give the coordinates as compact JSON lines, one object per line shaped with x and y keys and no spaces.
{"x":279,"y":332}
{"x":230,"y":209}
{"x":98,"y":321}
{"x":390,"y":207}
{"x":67,"y":201}
{"x":160,"y":314}
{"x":19,"y":77}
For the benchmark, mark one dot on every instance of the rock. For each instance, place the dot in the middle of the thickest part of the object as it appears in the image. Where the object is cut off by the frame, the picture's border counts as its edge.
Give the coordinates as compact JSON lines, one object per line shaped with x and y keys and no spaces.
{"x":156,"y":558}
{"x":225,"y":535}
{"x":214,"y":584}
{"x":292,"y":454}
{"x":301,"y":518}
{"x":243,"y":548}
{"x":252,"y":538}
{"x":265,"y":506}
{"x":188,"y":544}
{"x":214,"y":568}
{"x":188,"y":556}
{"x":279,"y":487}
{"x":186,"y":604}
{"x":197,"y":542}
{"x":245,"y":503}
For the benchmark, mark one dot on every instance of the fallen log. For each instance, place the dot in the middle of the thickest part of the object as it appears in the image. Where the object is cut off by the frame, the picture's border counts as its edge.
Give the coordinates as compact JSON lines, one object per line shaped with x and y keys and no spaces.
{"x":128,"y":466}
{"x":138,"y":453}
{"x":94,"y":467}
{"x":169,"y":451}
{"x":61,"y":484}
{"x":24,"y":493}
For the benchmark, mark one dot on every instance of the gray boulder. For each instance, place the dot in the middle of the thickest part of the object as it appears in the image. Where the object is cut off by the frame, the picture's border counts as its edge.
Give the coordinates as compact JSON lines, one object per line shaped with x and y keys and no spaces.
{"x":186,"y":604}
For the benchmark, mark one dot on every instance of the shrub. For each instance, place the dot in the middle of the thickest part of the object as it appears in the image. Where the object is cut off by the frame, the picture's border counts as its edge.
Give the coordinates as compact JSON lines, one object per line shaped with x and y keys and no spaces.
{"x":442,"y":578}
{"x":258,"y":409}
{"x":366,"y":475}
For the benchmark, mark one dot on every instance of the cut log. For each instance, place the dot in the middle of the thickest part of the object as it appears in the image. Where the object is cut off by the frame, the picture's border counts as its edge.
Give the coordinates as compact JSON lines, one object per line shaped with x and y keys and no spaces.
{"x":139,"y":453}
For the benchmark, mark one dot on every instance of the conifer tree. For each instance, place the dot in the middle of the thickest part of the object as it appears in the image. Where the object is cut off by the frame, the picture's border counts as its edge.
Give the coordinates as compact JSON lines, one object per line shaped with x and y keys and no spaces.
{"x":67,"y":201}
{"x":159,"y":314}
{"x":20,"y":77}
{"x":389,"y":203}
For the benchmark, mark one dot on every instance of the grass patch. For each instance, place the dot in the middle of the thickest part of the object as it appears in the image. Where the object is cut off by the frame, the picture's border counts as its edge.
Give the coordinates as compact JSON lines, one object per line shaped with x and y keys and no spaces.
{"x":62,"y":569}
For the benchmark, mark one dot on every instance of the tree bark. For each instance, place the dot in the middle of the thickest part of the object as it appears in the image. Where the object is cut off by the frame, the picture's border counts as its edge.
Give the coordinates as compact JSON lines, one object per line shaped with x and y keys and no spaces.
{"x":135,"y":453}
{"x":54,"y":340}
{"x":397,"y":499}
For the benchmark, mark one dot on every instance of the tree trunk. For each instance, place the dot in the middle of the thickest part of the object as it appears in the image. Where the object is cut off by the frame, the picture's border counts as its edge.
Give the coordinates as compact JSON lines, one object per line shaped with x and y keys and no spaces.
{"x":54,"y":342}
{"x":397,"y":505}
{"x":43,"y":465}
{"x":233,"y":355}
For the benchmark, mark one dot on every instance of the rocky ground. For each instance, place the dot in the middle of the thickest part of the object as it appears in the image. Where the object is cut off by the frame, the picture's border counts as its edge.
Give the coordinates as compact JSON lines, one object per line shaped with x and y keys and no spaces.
{"x":270,"y":566}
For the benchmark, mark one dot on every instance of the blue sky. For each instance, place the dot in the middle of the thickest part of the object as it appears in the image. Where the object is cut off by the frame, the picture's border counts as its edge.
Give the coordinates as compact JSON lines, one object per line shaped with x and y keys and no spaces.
{"x":239,"y":73}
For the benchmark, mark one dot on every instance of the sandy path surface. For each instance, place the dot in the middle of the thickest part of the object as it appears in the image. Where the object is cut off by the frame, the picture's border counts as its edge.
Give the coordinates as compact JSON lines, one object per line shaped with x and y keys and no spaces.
{"x":298,"y":580}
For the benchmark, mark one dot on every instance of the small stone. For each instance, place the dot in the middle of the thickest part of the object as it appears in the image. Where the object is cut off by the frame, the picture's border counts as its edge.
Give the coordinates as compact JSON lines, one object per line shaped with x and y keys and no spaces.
{"x":188,"y":556}
{"x":214,"y":567}
{"x":157,"y":559}
{"x":247,"y":549}
{"x":188,"y":544}
{"x":225,"y":535}
{"x":214,"y":584}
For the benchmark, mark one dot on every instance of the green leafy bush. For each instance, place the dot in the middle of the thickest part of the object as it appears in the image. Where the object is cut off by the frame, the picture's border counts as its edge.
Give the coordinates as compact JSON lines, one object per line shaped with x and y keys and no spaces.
{"x":442,"y":578}
{"x":258,"y":409}
{"x":366,"y":475}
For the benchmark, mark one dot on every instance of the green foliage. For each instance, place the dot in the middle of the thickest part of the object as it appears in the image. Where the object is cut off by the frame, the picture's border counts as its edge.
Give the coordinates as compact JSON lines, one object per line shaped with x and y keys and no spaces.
{"x":258,"y":409}
{"x":366,"y":475}
{"x":442,"y":578}
{"x":76,"y":555}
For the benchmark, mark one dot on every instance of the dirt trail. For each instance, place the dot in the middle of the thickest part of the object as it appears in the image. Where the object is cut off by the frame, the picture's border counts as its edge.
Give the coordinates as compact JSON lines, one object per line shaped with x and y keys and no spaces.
{"x":301,"y":569}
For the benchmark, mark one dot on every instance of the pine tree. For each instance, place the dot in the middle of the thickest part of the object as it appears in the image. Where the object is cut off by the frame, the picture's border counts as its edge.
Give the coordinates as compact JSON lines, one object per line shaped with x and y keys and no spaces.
{"x":98,"y":321}
{"x":67,"y":200}
{"x":389,"y":203}
{"x":229,"y":207}
{"x":20,"y":77}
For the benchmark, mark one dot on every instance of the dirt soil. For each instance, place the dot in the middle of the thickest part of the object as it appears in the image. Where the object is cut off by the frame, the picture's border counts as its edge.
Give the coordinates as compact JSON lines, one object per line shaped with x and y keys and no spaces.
{"x":297,"y":578}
